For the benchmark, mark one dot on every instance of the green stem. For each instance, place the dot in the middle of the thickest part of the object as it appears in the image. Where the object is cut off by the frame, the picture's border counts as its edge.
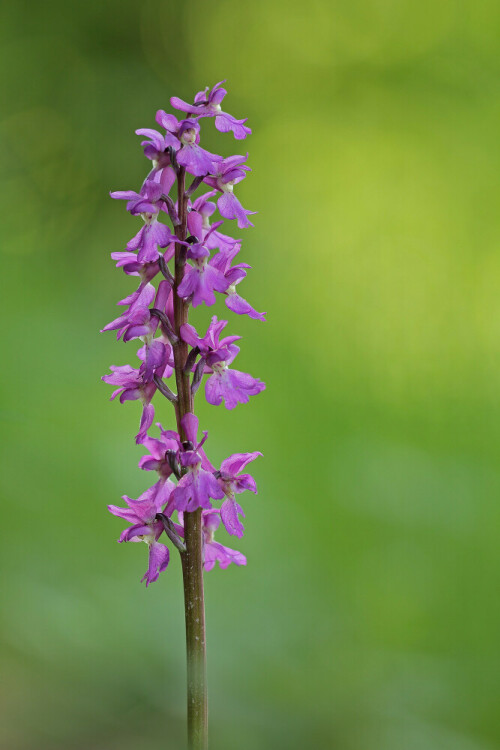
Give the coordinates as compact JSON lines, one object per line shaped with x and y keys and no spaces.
{"x":192,"y":568}
{"x":192,"y":558}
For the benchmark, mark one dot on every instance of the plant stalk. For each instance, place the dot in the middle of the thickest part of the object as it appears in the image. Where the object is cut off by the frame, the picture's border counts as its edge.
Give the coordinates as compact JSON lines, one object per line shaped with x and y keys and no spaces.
{"x":192,"y":558}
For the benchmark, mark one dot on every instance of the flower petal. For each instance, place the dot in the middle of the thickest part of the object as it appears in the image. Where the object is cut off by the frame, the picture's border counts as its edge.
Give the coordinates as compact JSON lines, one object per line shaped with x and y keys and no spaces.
{"x":229,"y":514}
{"x":159,"y":557}
{"x":215,"y":552}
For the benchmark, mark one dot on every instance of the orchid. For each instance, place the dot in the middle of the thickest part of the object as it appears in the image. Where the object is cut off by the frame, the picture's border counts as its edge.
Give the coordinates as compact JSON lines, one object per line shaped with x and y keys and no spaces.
{"x":233,"y":275}
{"x":214,"y":551}
{"x":198,"y":222}
{"x":232,"y":482}
{"x":201,"y":280}
{"x":224,"y":384}
{"x":197,"y":485}
{"x":141,"y":514}
{"x":228,"y":173}
{"x":131,"y":387}
{"x":137,"y":320}
{"x":155,"y":147}
{"x":127,"y":260}
{"x":184,"y":137}
{"x":180,"y":266}
{"x":154,"y":234}
{"x":159,"y":448}
{"x":210,"y":106}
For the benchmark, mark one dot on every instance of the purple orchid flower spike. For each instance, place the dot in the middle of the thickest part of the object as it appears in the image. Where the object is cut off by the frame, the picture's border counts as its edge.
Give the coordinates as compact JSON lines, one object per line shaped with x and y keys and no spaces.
{"x":229,"y":172}
{"x":210,"y":106}
{"x":184,"y":137}
{"x":198,"y":485}
{"x":232,"y":482}
{"x":154,"y":234}
{"x":141,"y":513}
{"x":181,"y":264}
{"x":233,"y":275}
{"x":224,"y":384}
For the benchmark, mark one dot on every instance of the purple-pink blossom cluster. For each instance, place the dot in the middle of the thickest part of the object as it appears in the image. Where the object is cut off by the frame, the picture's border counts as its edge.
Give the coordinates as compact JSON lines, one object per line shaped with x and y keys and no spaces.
{"x":187,"y":480}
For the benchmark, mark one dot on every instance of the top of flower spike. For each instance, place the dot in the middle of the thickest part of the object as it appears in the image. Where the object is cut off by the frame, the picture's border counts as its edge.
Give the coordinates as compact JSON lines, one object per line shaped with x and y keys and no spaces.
{"x":209,"y":105}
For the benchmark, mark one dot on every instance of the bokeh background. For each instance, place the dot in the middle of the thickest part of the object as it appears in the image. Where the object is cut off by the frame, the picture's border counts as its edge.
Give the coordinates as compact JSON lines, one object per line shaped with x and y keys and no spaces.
{"x":368,"y":615}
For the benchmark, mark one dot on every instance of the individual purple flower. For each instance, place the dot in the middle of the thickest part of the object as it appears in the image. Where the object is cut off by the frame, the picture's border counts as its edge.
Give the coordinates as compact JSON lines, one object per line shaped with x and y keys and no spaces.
{"x":157,"y":358}
{"x":233,"y":275}
{"x":132,"y":387}
{"x":131,"y":266}
{"x":195,"y":159}
{"x":137,"y":304}
{"x":185,"y":137}
{"x":232,"y":482}
{"x":229,"y":172}
{"x":149,"y":239}
{"x":212,"y":347}
{"x":231,"y":386}
{"x":198,"y":221}
{"x":214,"y":551}
{"x":224,"y":384}
{"x":155,"y":147}
{"x":157,"y":353}
{"x":198,"y":485}
{"x":137,"y":322}
{"x":157,"y":460}
{"x":141,"y":513}
{"x":201,"y":280}
{"x":144,"y":202}
{"x":153,"y":234}
{"x":210,"y":106}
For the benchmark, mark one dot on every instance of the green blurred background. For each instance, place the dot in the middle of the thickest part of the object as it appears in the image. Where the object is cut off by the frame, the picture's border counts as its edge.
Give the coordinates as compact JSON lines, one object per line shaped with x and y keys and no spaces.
{"x":368,"y":615}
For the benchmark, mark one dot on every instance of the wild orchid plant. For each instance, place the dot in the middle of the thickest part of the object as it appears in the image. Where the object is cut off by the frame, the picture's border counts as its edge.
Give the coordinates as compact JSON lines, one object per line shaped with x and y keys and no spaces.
{"x":157,"y":317}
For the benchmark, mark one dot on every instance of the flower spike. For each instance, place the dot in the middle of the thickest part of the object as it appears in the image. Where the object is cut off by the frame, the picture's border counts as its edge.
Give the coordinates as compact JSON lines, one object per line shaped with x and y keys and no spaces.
{"x":183,"y":257}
